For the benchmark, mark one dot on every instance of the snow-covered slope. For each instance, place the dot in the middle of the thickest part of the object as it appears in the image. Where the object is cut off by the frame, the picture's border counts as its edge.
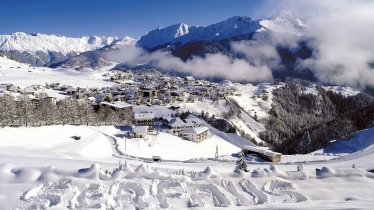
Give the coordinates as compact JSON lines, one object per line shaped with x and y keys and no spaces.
{"x":232,"y":27}
{"x":23,"y":75}
{"x":95,"y":59}
{"x":6,"y":62}
{"x":42,"y":49}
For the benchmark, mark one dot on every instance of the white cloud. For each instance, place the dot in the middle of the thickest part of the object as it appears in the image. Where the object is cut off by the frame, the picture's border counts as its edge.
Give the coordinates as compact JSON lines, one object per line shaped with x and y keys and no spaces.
{"x":342,"y":36}
{"x":211,"y":66}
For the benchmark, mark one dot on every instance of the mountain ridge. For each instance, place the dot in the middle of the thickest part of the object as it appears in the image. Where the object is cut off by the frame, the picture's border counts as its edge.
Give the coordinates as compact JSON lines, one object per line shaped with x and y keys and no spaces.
{"x":235,"y":26}
{"x":43,"y":50}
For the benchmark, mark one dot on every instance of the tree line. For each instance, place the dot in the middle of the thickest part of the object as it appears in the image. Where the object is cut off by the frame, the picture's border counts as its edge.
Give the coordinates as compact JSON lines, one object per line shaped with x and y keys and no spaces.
{"x":302,"y":122}
{"x":23,"y":111}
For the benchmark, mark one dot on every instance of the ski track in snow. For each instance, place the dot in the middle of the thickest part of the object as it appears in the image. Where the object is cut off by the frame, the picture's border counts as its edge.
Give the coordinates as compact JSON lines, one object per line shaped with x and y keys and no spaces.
{"x":249,"y":187}
{"x":241,"y":200}
{"x":283,"y":192}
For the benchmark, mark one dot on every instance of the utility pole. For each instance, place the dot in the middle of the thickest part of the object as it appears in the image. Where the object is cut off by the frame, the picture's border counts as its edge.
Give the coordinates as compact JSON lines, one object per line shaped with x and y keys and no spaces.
{"x":216,"y":155}
{"x":26,"y":112}
{"x":87,"y":101}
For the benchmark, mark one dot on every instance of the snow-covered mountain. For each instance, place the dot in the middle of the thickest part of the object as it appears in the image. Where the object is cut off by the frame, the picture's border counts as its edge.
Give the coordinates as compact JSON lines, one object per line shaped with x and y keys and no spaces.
{"x":180,"y":40}
{"x":184,"y":41}
{"x":232,"y":27}
{"x":182,"y":33}
{"x":42,"y":49}
{"x":94,"y":59}
{"x":284,"y":22}
{"x":161,"y":36}
{"x":41,"y":42}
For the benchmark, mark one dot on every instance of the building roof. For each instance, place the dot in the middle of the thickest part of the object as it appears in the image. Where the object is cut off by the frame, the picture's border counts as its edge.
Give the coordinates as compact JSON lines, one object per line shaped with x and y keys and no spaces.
{"x":197,"y":131}
{"x":193,"y":121}
{"x":117,"y":104}
{"x":144,"y":116}
{"x":262,"y":150}
{"x":176,"y":122}
{"x":190,"y":78}
{"x":140,"y":129}
{"x":168,"y":118}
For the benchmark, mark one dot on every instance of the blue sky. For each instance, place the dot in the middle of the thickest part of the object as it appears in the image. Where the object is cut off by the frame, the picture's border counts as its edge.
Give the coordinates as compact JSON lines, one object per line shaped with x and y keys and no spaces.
{"x":116,"y":17}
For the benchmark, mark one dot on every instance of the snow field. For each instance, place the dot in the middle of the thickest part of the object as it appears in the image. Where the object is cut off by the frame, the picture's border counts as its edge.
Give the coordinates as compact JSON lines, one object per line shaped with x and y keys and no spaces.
{"x":54,"y":141}
{"x":147,"y":190}
{"x":171,"y":147}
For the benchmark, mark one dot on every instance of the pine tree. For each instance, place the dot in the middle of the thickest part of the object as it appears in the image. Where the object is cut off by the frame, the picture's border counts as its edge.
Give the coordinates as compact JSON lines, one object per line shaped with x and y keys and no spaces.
{"x":255,"y":116}
{"x":305,"y":143}
{"x":241,"y":164}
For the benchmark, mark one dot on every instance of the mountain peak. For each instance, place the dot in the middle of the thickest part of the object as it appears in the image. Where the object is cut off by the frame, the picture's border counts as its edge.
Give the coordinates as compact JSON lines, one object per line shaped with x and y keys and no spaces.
{"x":162,"y":36}
{"x":284,"y":22}
{"x":183,"y":33}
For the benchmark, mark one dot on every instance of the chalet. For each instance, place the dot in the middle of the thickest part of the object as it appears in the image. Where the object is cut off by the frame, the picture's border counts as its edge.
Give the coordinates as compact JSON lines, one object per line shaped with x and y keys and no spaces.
{"x":55,"y":86}
{"x":121,"y":98}
{"x":174,"y":96}
{"x":196,"y":135}
{"x":103,"y":97}
{"x":5,"y":86}
{"x":71,"y":90}
{"x":263,"y":153}
{"x":29,"y":90}
{"x":176,"y":125}
{"x":51,"y":100}
{"x":139,"y":132}
{"x":189,"y":78}
{"x":117,"y":104}
{"x":147,"y":92}
{"x":145,"y":118}
{"x":191,"y":98}
{"x":35,"y":101}
{"x":193,"y":122}
{"x":14,"y":89}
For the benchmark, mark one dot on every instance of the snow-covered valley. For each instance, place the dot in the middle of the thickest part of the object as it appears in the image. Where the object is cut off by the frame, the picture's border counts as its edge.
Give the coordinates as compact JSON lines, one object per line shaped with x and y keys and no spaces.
{"x":46,"y":168}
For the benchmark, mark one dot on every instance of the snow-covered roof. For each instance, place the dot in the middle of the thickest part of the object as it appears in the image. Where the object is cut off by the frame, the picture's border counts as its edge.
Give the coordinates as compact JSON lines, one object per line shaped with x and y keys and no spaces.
{"x":168,"y":118}
{"x":101,"y":97}
{"x":117,"y":104}
{"x":140,"y":129}
{"x":144,"y":116}
{"x":190,"y":78}
{"x":176,"y":122}
{"x":262,"y":150}
{"x":193,"y":121}
{"x":197,"y":130}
